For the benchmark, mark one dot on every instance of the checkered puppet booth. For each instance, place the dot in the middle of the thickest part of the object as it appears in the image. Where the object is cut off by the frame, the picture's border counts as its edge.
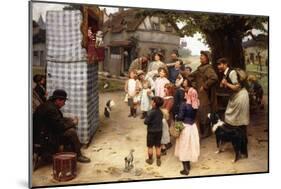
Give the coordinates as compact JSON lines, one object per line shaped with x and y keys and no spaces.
{"x":67,"y":69}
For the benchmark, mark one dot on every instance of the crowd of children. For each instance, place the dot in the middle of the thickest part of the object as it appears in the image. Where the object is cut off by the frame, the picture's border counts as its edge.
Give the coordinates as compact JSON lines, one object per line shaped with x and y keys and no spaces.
{"x":161,"y":95}
{"x":165,"y":95}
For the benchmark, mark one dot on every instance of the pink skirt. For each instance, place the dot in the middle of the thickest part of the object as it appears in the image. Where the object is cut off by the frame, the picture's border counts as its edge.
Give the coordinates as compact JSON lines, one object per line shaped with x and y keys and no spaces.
{"x":188,"y":144}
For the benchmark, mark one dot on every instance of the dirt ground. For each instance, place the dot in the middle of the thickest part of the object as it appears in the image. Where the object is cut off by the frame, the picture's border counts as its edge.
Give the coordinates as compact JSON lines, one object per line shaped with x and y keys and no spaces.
{"x":119,"y":134}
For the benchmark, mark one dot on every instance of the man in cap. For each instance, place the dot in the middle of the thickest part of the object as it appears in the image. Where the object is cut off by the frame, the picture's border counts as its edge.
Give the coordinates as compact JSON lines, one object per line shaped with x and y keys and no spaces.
{"x":49,"y":123}
{"x":205,"y":79}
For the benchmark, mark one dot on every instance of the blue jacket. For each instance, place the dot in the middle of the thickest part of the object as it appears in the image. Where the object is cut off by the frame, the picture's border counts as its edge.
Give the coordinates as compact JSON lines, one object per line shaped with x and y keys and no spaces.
{"x":187,"y":114}
{"x":173,"y":74}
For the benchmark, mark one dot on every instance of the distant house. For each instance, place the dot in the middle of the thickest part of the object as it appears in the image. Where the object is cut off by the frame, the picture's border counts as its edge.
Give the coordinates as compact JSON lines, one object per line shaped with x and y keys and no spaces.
{"x":127,"y":36}
{"x":39,"y":42}
{"x":256,"y":50}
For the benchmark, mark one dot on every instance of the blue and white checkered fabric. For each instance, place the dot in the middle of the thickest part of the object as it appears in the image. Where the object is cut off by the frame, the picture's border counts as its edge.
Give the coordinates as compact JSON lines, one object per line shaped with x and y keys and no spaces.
{"x":64,"y":36}
{"x":79,"y":80}
{"x":67,"y":69}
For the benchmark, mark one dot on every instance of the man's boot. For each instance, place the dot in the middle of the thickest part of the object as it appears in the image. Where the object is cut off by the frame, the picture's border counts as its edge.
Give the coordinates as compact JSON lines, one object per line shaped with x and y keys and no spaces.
{"x":83,"y":159}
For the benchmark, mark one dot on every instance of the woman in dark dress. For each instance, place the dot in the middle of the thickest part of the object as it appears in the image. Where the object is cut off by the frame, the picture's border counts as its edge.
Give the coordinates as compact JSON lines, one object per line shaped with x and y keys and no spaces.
{"x":179,"y":96}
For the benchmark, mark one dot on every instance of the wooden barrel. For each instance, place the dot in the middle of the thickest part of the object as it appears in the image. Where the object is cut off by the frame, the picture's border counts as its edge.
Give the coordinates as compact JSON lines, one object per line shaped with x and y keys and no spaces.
{"x":64,"y":166}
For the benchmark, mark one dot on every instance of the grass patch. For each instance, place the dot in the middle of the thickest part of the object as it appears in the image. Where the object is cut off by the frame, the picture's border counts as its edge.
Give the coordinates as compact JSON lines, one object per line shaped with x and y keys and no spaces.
{"x":38,"y":70}
{"x":114,"y":85}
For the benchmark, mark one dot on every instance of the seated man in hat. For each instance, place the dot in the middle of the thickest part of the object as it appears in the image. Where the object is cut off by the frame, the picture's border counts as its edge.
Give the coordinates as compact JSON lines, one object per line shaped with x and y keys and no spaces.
{"x":49,"y":124}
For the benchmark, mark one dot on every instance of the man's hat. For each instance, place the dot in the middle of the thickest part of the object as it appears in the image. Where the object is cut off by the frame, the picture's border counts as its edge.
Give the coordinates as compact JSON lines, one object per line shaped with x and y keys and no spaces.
{"x":59,"y":93}
{"x":207,"y":54}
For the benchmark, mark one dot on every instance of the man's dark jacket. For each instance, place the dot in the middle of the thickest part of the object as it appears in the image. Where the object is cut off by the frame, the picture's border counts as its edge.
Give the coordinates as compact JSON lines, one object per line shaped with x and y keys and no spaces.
{"x":48,"y":122}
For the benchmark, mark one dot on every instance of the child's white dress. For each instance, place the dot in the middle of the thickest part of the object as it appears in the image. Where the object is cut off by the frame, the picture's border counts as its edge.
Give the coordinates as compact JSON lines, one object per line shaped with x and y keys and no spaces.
{"x":165,"y":128}
{"x":165,"y":132}
{"x":145,"y":100}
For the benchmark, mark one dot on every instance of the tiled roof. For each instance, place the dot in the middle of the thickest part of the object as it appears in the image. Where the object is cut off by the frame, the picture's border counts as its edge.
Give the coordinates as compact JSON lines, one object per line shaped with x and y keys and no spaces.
{"x":123,"y":20}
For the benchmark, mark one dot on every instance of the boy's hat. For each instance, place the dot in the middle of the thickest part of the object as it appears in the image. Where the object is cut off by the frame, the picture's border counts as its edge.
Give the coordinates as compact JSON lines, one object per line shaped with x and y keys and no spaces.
{"x":207,"y":54}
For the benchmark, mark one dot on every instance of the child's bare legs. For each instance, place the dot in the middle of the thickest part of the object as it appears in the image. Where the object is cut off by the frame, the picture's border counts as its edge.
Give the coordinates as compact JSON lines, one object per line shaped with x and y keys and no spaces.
{"x":158,"y":155}
{"x":135,"y":110}
{"x":150,"y":155}
{"x":130,"y":102}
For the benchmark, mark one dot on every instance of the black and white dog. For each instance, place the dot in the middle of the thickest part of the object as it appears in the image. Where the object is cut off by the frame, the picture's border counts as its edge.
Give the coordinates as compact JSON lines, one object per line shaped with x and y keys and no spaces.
{"x":108,"y":107}
{"x":227,"y":133}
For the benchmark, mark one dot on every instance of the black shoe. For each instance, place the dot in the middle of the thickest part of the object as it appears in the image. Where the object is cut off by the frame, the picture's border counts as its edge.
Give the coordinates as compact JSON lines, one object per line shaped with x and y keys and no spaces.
{"x":186,"y":168}
{"x":83,"y":159}
{"x":168,"y":146}
{"x":163,"y":152}
{"x":184,"y":172}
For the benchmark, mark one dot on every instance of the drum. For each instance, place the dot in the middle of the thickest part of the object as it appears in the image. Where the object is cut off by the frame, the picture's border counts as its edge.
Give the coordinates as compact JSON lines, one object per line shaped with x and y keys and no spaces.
{"x":64,"y":166}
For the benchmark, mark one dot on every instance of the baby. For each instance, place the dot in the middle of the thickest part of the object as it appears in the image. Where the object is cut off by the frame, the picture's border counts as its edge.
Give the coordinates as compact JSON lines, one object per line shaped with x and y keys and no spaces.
{"x":145,"y":98}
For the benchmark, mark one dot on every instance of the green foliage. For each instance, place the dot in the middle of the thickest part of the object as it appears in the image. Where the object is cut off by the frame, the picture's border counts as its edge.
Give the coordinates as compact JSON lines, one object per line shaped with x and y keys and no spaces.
{"x":114,"y":85}
{"x":209,"y":22}
{"x":72,"y":7}
{"x":179,"y":126}
{"x":184,"y":52}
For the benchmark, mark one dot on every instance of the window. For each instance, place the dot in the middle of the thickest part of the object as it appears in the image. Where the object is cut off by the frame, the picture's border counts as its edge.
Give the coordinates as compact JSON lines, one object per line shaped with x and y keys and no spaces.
{"x":169,"y":28}
{"x":115,"y":50}
{"x":42,"y":61}
{"x":156,"y":26}
{"x":35,"y":53}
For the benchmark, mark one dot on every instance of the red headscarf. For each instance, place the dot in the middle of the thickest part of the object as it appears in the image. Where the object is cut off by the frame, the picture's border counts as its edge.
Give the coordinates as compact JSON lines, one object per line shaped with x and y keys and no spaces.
{"x":192,"y":98}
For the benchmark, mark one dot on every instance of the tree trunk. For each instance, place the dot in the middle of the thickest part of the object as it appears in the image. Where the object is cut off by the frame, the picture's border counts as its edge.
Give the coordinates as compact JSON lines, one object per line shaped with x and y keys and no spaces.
{"x":226,"y":44}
